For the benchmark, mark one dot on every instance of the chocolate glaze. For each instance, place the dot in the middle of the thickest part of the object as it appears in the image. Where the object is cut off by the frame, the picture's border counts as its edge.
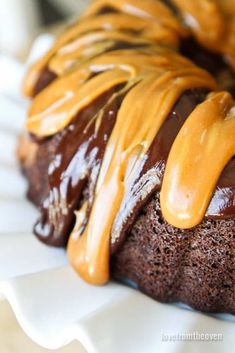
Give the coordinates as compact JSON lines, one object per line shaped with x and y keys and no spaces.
{"x":47,"y":76}
{"x":76,"y":162}
{"x":222,"y":205}
{"x":171,"y":6}
{"x":44,"y":80}
{"x":75,"y":165}
{"x":212,"y":62}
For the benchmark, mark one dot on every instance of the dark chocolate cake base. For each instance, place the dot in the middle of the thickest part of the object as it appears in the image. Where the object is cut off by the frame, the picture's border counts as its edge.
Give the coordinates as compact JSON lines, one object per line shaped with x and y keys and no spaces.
{"x":195,"y":266}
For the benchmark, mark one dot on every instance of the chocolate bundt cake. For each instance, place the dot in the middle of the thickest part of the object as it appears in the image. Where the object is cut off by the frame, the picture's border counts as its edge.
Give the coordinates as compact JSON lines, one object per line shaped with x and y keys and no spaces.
{"x":129,"y":147}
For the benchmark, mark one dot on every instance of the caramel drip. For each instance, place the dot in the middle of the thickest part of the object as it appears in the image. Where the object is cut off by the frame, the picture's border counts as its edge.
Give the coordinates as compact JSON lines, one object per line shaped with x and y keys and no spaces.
{"x":151,"y":10}
{"x":72,"y":97}
{"x":95,"y":43}
{"x":213,"y":24}
{"x":137,"y":21}
{"x":103,"y":31}
{"x":199,"y":154}
{"x":205,"y":19}
{"x":55,"y":107}
{"x":130,"y":140}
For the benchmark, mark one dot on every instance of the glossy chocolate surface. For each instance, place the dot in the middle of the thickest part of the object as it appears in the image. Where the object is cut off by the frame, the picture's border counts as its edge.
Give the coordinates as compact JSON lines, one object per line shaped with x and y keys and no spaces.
{"x":73,"y":172}
{"x":76,"y":163}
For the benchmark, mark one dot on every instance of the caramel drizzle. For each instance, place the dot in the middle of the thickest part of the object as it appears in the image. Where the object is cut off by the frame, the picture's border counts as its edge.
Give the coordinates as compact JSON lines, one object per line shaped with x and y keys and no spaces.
{"x":106,"y":30}
{"x":205,"y":18}
{"x":151,"y":10}
{"x":212,"y":23}
{"x":206,"y":139}
{"x":130,"y":140}
{"x":55,"y":107}
{"x":158,"y":77}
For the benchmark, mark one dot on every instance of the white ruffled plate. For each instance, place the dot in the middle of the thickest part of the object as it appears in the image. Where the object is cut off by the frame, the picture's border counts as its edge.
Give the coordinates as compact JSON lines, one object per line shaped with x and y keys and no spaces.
{"x":51,"y":303}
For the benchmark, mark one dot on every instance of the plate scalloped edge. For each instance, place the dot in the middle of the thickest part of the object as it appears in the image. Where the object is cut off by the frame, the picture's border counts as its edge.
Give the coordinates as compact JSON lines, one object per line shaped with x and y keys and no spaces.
{"x":109,"y":319}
